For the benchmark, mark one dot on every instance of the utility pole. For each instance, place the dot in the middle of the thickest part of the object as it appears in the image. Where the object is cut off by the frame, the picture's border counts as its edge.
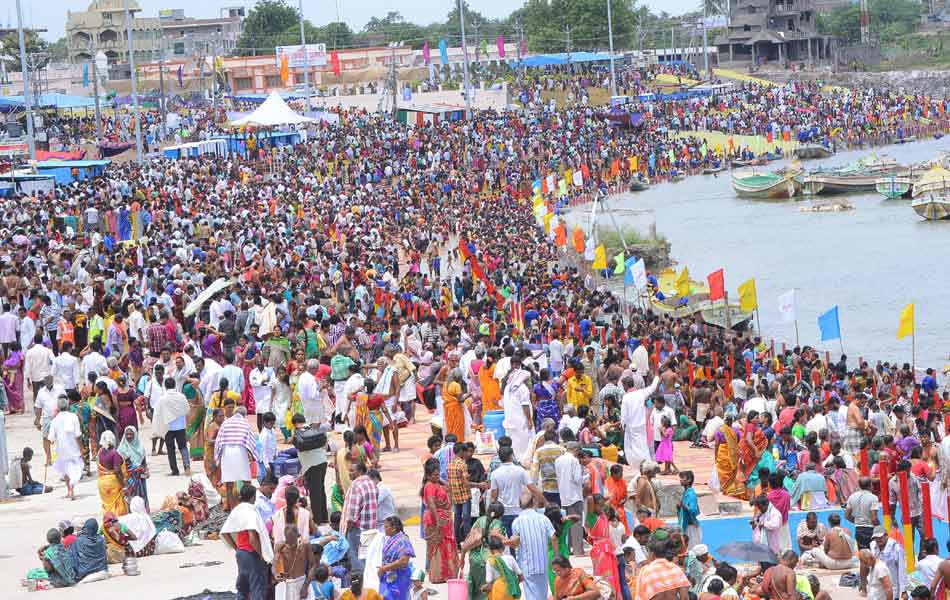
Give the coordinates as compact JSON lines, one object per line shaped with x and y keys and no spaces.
{"x":673,"y":43}
{"x":465,"y":80}
{"x":306,"y":54}
{"x":520,"y":29}
{"x":27,"y":92}
{"x":94,"y":50}
{"x":394,"y":85}
{"x":705,"y":42}
{"x":865,"y":23}
{"x":214,"y":76}
{"x":610,"y":39}
{"x":567,"y":39}
{"x":161,"y":88}
{"x":135,"y":90}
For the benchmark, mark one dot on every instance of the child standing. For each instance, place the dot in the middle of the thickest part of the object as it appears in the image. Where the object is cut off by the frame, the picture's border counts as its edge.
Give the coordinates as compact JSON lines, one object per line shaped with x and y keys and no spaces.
{"x":688,"y":510}
{"x":267,"y":442}
{"x":502,"y":574}
{"x":664,"y":452}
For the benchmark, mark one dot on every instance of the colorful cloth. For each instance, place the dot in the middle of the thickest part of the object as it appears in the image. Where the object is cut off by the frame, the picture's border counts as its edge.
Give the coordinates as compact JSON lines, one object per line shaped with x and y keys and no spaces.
{"x":659,"y":576}
{"x":441,"y":552}
{"x":727,"y":464}
{"x":394,"y":585}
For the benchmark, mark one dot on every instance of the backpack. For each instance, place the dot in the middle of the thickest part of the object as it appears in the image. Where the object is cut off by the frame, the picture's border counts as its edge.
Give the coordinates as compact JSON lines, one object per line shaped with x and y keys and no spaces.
{"x":309,"y":439}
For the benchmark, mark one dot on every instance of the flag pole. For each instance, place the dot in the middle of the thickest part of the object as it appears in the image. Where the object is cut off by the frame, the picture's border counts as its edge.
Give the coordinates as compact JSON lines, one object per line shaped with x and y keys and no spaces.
{"x":796,"y":332}
{"x":758,"y":323}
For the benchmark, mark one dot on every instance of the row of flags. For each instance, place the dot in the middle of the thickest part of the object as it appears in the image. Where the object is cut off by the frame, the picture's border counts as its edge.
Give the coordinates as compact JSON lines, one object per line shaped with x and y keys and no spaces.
{"x":483,"y":47}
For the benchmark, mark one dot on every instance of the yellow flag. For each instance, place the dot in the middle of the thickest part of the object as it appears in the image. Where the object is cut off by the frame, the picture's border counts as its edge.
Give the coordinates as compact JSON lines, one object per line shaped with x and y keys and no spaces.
{"x":600,"y":258}
{"x":748,"y":301}
{"x":569,"y":176}
{"x":906,"y":326}
{"x":682,"y":283}
{"x":547,"y":222}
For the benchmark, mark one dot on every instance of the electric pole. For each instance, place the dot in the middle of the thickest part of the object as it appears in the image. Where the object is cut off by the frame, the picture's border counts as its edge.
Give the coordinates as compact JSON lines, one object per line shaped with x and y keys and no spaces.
{"x":610,"y":39}
{"x":94,"y":50}
{"x":135,"y":91}
{"x":306,"y":54}
{"x":27,"y":92}
{"x":465,"y":80}
{"x":161,"y":87}
{"x":214,"y":77}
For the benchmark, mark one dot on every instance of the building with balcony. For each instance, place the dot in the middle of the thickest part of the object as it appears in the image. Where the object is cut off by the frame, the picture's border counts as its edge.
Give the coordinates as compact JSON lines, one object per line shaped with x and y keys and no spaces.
{"x":103,"y":26}
{"x":772,"y":31}
{"x":183,"y":36}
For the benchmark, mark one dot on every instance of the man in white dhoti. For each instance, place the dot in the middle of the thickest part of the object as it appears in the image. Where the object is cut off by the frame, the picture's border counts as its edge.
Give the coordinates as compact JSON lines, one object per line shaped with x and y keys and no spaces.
{"x":235,"y":449}
{"x":65,"y":432}
{"x":310,"y":397}
{"x":633,"y":417}
{"x":516,"y":403}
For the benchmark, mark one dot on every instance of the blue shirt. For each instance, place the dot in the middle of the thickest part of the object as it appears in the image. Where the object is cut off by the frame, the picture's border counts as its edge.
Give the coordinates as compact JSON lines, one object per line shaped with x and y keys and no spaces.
{"x":535,"y":532}
{"x":177,"y":424}
{"x":928,"y":384}
{"x":689,"y":511}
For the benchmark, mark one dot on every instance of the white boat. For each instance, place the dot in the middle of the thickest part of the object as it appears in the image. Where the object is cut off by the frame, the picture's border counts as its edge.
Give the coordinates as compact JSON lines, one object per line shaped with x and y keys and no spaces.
{"x":936,"y":181}
{"x":932,"y":208}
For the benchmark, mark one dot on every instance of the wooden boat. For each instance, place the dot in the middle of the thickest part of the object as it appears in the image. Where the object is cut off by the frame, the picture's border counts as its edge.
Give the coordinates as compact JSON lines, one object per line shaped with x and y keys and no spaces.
{"x":639,"y":185}
{"x":712,"y":170}
{"x":811,"y":186}
{"x":894,"y":186}
{"x":859,"y":176}
{"x":933,"y":207}
{"x":935,"y":181}
{"x":812,"y":151}
{"x":741,"y":163}
{"x":752,"y":184}
{"x":717,"y":314}
{"x":678,"y":176}
{"x":906,"y":140}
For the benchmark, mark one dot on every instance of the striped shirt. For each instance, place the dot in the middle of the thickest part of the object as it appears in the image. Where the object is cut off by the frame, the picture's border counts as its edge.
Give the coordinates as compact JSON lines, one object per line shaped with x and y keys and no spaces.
{"x":235,"y":432}
{"x":535,"y":532}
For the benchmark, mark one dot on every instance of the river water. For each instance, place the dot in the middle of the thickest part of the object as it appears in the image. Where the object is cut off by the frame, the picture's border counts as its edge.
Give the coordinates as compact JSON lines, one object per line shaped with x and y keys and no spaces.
{"x":871,"y":261}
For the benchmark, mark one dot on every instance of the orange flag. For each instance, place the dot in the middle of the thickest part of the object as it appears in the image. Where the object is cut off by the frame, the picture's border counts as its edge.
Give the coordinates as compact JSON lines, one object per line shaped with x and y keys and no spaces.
{"x":284,"y":70}
{"x":560,"y":235}
{"x":586,"y":172}
{"x":615,"y":168}
{"x":578,"y":240}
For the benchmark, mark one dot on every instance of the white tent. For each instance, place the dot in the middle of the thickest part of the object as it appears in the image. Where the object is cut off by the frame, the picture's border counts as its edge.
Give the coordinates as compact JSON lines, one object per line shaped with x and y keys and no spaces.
{"x":273,"y":111}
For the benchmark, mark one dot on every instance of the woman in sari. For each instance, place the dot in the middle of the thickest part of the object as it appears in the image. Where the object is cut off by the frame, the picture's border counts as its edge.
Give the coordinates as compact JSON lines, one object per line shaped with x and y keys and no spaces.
{"x":452,"y":405}
{"x":55,"y":559}
{"x":13,"y":379}
{"x":616,"y":488}
{"x":350,"y":453}
{"x":562,"y":529}
{"x":727,"y":461}
{"x":88,"y":551}
{"x":105,"y":410}
{"x":395,"y":571}
{"x":441,"y":550}
{"x":602,"y":556}
{"x":283,"y":398}
{"x":111,"y":477}
{"x":142,"y":527}
{"x":117,"y":538}
{"x":476,"y":546}
{"x":572,"y":582}
{"x":546,"y":400}
{"x":136,"y":469}
{"x":245,"y":355}
{"x":752,"y":446}
{"x":126,"y":416}
{"x":503,"y":573}
{"x":194,"y":421}
{"x":213,"y":469}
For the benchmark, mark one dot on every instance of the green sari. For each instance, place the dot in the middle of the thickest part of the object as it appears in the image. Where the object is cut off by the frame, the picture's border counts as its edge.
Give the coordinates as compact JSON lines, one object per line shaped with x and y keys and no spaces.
{"x":563,"y":549}
{"x":195,"y":423}
{"x":62,"y":573}
{"x":477,"y":557}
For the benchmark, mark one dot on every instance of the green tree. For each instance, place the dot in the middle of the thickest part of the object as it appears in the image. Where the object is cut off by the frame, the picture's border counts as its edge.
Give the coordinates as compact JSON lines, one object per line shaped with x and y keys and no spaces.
{"x":890,"y":19}
{"x":559,"y":25}
{"x":37,"y":50}
{"x":336,"y":35}
{"x":265,"y":27}
{"x":58,"y":50}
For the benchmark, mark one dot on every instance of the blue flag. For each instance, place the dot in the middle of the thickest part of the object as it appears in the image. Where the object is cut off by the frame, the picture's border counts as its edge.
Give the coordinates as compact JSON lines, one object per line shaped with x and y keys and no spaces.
{"x":627,"y":271}
{"x":85,"y":75}
{"x":406,"y":94}
{"x":444,"y":52}
{"x":829,"y":325}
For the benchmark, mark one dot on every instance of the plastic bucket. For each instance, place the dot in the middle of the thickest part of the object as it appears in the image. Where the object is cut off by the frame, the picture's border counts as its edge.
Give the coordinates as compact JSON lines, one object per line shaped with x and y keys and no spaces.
{"x":458,"y":589}
{"x":493,"y":422}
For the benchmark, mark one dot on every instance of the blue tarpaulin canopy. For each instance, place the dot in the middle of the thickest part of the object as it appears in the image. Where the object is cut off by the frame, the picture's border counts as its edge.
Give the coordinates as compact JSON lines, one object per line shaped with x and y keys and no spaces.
{"x":50,"y":100}
{"x":563,"y":58}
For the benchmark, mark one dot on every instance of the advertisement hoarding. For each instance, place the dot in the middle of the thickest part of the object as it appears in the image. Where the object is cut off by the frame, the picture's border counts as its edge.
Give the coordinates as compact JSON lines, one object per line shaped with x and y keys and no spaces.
{"x":316,"y":53}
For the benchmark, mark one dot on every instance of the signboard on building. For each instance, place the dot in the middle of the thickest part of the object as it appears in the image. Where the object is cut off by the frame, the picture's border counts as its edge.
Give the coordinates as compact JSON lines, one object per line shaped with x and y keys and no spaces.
{"x":316,"y":55}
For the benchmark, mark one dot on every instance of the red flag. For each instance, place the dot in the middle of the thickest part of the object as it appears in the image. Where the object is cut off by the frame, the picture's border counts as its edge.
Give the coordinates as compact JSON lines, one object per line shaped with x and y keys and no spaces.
{"x":717,"y":285}
{"x":335,"y":63}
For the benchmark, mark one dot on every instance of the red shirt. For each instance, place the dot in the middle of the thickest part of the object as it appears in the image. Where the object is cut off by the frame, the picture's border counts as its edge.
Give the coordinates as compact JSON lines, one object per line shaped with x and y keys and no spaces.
{"x":244,"y":541}
{"x":920,"y":468}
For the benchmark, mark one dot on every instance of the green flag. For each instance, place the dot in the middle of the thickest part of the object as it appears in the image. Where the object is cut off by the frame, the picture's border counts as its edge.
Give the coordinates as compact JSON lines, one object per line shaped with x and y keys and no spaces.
{"x":484,"y":48}
{"x":618,"y":270}
{"x":670,"y":154}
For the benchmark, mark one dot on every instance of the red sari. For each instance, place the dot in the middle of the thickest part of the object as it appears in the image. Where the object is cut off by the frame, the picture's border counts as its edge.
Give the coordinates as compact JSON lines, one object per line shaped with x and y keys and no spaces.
{"x":749,"y":453}
{"x":602,"y":556}
{"x":441,"y":550}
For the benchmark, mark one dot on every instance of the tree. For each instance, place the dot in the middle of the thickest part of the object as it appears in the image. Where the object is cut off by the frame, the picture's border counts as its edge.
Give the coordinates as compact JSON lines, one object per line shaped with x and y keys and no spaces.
{"x":336,"y":35}
{"x":37,"y":50}
{"x":548,"y":24}
{"x":58,"y":50}
{"x":265,"y":27}
{"x":890,"y":19}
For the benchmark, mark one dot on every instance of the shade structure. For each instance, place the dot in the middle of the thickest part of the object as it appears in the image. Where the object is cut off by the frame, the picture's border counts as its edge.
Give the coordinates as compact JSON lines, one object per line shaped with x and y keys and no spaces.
{"x":273,"y":111}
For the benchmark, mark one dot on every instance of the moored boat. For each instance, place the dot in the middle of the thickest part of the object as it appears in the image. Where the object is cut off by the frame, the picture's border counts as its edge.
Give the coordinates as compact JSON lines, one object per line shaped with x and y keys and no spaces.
{"x":906,"y":140}
{"x":894,"y":186}
{"x":716,"y":313}
{"x":639,"y":185}
{"x":933,"y":207}
{"x":812,"y":151}
{"x":752,"y":184}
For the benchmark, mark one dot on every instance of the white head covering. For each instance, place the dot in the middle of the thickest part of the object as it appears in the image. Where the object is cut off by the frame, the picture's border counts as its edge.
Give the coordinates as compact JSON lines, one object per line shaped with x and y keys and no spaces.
{"x":140,"y":523}
{"x":107,"y":440}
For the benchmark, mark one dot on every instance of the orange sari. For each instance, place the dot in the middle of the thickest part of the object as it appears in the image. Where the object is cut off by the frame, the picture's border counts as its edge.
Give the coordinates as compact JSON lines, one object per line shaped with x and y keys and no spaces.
{"x":749,"y":453}
{"x":617,"y":488}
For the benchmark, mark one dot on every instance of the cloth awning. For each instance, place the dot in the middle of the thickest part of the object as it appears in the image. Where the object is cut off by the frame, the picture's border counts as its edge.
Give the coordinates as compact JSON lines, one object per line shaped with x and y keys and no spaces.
{"x":273,"y":111}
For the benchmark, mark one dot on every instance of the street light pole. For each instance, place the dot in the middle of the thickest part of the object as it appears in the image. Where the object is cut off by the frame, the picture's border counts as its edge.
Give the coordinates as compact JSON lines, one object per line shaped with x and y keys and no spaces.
{"x":610,"y":39}
{"x":306,"y":57}
{"x":468,"y":91}
{"x":135,"y":89}
{"x":27,"y":92}
{"x":94,"y":50}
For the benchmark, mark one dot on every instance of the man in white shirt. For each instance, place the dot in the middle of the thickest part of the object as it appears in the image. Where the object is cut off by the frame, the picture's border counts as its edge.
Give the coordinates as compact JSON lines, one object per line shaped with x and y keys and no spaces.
{"x":37,"y":363}
{"x":137,"y":324}
{"x":9,"y":323}
{"x":27,"y":330}
{"x":386,"y":505}
{"x":660,"y":411}
{"x":65,"y":432}
{"x":556,"y":357}
{"x":633,"y":417}
{"x":756,"y":403}
{"x":66,"y":368}
{"x":261,"y":377}
{"x":94,"y":361}
{"x":153,"y":394}
{"x":310,"y":396}
{"x":570,"y":486}
{"x":45,"y":403}
{"x":506,"y":484}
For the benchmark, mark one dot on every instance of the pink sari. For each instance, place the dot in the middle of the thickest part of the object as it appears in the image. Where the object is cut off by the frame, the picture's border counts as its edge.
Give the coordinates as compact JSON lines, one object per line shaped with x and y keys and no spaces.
{"x":13,"y":381}
{"x":602,"y":556}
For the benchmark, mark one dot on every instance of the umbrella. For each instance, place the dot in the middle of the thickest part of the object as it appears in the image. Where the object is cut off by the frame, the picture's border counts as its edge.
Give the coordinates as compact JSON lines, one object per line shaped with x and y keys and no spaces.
{"x":216,"y":286}
{"x":747,"y":552}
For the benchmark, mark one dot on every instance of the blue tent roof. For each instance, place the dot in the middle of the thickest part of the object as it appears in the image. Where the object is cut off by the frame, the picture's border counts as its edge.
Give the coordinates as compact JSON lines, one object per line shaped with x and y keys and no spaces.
{"x":563,"y":58}
{"x":53,"y":100}
{"x":70,"y":164}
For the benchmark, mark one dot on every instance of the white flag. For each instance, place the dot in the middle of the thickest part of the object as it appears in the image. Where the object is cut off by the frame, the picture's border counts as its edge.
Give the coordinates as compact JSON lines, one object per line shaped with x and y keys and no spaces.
{"x":589,"y":247}
{"x":639,"y":272}
{"x":787,"y":308}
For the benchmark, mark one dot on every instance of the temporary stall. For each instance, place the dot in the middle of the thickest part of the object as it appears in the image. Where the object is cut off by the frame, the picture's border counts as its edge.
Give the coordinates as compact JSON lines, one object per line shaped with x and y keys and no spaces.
{"x":434,"y":114}
{"x":26,"y":183}
{"x":273,"y":112}
{"x":67,"y":171}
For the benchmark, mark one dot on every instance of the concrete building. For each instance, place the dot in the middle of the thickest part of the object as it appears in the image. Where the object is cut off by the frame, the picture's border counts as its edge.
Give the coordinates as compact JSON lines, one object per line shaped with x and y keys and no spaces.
{"x":183,"y":36}
{"x":103,"y":25}
{"x":772,"y":31}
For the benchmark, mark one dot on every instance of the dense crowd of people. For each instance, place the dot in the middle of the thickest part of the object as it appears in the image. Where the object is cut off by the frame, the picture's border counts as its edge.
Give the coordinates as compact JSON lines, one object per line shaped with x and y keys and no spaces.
{"x":241,"y":309}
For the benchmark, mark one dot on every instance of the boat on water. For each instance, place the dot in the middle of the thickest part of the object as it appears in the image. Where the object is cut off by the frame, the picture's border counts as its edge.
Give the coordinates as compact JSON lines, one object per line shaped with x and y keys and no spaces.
{"x":678,"y":176}
{"x":936,"y":181}
{"x":859,"y":176}
{"x":894,"y":186}
{"x":933,"y":207}
{"x":639,"y":185}
{"x":812,"y":151}
{"x":755,"y":184}
{"x":664,"y":299}
{"x":906,"y":140}
{"x":712,"y":170}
